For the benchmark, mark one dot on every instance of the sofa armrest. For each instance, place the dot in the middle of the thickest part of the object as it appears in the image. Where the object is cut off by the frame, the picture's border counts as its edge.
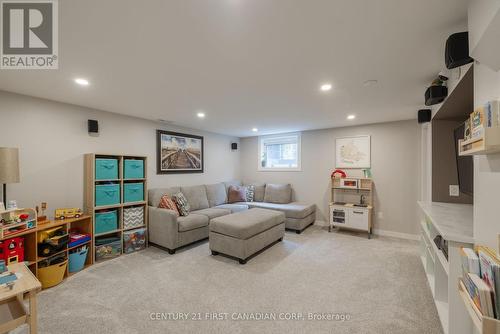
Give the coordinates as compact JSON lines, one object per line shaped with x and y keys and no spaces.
{"x":163,"y":227}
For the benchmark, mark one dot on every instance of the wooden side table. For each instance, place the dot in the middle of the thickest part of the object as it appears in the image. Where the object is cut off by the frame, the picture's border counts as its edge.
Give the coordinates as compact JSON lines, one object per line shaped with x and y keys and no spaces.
{"x":12,"y":311}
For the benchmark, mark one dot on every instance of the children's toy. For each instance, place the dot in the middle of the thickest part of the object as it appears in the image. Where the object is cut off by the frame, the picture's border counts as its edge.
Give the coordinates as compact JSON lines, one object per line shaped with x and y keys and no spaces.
{"x":52,"y":241}
{"x":12,"y":250}
{"x":76,"y":238}
{"x":16,"y":221}
{"x":68,"y":213}
{"x":41,"y":217}
{"x":339,"y":173}
{"x":3,"y":266}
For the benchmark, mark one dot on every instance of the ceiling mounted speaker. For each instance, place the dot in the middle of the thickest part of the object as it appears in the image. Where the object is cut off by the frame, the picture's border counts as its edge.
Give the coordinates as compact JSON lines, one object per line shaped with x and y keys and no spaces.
{"x":457,"y":50}
{"x":93,"y":126}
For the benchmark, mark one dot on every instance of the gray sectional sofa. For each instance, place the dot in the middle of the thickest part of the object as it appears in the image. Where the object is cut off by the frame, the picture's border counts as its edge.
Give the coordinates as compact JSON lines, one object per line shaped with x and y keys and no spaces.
{"x":207,"y":202}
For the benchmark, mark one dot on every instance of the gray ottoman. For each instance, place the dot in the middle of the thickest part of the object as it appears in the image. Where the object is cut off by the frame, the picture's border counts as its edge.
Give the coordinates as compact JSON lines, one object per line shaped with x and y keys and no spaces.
{"x":243,"y":234}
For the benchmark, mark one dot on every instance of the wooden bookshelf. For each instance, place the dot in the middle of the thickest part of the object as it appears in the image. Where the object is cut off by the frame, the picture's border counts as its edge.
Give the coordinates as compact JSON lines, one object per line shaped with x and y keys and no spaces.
{"x":487,"y":144}
{"x":89,"y":194}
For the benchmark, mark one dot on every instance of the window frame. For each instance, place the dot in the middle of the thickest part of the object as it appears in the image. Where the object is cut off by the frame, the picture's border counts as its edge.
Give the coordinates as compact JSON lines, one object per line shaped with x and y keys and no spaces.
{"x":262,"y":139}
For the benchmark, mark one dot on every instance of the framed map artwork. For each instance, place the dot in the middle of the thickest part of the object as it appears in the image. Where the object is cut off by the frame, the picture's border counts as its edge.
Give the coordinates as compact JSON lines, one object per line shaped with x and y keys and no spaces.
{"x":353,"y":152}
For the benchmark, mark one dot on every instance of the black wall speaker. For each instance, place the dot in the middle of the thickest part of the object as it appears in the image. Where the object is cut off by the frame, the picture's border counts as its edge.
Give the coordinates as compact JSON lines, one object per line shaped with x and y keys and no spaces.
{"x":435,"y":95}
{"x":457,"y":50}
{"x":424,"y":116}
{"x":234,"y":146}
{"x":93,"y":126}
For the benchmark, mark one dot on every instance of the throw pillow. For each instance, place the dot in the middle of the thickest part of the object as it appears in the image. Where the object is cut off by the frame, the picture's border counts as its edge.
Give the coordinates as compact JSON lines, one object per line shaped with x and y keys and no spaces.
{"x":167,"y":203}
{"x":250,"y":192}
{"x":182,"y":204}
{"x":236,"y":194}
{"x":278,"y":193}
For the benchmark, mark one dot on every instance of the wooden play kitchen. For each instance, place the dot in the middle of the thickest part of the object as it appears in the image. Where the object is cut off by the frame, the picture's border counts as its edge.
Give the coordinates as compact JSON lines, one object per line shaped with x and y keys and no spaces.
{"x":351,"y":206}
{"x":47,"y":251}
{"x":115,"y":195}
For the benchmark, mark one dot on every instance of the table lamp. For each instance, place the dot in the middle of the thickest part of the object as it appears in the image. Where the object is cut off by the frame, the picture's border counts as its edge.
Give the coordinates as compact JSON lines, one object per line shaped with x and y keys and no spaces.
{"x":9,"y":168}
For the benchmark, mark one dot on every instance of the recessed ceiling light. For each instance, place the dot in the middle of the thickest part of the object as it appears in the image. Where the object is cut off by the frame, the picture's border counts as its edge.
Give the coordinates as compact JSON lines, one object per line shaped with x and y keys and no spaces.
{"x":82,"y":82}
{"x":255,"y":129}
{"x":351,"y":117}
{"x":326,"y":87}
{"x":200,"y":114}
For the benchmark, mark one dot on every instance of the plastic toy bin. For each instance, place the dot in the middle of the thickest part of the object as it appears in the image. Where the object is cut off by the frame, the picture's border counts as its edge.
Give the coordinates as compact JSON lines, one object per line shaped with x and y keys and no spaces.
{"x":77,"y":260}
{"x":106,"y":169}
{"x":52,"y":275}
{"x":107,"y":194}
{"x":133,"y":169}
{"x":107,"y":248}
{"x":106,"y":221}
{"x":133,"y":192}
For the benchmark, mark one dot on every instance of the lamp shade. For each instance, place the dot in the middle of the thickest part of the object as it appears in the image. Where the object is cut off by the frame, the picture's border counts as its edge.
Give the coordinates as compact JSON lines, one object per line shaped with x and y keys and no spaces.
{"x":9,"y":165}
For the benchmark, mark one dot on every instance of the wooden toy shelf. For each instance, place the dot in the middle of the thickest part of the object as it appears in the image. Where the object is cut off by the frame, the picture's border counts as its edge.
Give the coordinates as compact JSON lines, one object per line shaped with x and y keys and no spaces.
{"x":484,"y":325}
{"x":31,"y":257}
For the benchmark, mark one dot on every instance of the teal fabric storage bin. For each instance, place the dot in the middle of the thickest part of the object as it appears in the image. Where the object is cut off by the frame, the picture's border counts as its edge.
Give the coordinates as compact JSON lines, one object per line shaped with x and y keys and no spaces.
{"x":107,"y":194}
{"x":133,"y":169}
{"x":106,"y":221}
{"x":133,"y":192}
{"x":77,"y":260}
{"x":106,"y":169}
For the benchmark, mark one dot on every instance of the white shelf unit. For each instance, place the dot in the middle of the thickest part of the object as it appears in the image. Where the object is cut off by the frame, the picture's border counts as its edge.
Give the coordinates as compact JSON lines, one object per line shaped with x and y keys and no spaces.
{"x":442,"y":274}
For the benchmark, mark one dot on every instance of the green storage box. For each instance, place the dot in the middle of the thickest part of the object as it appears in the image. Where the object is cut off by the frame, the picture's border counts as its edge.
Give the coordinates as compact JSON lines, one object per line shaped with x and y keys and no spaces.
{"x":107,"y":194}
{"x":133,"y":192}
{"x":106,"y":169}
{"x":106,"y":221}
{"x":133,"y":169}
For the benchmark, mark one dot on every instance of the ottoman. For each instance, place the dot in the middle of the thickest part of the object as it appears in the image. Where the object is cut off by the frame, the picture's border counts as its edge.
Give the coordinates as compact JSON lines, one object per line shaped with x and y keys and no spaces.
{"x":243,"y":234}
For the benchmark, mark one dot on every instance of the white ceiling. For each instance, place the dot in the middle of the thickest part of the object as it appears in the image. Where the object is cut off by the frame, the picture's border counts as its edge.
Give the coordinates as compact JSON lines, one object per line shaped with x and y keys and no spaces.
{"x":247,"y":63}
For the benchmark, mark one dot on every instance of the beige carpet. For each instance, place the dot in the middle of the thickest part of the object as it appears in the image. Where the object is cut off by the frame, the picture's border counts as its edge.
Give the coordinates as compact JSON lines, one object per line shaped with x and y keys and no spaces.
{"x":377,"y":286}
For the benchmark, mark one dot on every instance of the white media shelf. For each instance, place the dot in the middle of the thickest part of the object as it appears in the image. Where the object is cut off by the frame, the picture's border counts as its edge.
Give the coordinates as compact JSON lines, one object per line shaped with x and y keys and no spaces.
{"x":454,"y":223}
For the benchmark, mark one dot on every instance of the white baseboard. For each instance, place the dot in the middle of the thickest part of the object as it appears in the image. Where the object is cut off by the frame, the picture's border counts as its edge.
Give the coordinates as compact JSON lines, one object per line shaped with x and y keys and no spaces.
{"x":400,"y":235}
{"x":383,"y":233}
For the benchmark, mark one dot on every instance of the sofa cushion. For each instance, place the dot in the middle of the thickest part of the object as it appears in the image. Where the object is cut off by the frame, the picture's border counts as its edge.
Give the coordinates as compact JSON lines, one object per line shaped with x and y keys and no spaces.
{"x":246,"y":224}
{"x":232,"y":183}
{"x":182,"y":204}
{"x":154,"y":195}
{"x":258,"y":191}
{"x":166,"y":202}
{"x":196,"y":196}
{"x":236,"y":194}
{"x":212,"y":212}
{"x":191,"y":222}
{"x":292,"y":210}
{"x":216,"y":194}
{"x":278,"y":193}
{"x":233,"y":207}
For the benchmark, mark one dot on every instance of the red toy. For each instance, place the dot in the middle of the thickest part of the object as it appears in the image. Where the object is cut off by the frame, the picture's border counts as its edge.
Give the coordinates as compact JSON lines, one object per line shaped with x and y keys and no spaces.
{"x":339,"y":171}
{"x":12,"y":250}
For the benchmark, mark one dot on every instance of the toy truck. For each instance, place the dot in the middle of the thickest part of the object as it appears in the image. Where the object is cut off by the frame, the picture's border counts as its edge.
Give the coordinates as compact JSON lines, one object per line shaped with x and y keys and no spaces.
{"x":68,"y":213}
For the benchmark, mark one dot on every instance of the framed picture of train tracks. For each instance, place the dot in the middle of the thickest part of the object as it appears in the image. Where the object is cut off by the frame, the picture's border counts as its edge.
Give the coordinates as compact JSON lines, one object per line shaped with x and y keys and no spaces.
{"x":178,"y":153}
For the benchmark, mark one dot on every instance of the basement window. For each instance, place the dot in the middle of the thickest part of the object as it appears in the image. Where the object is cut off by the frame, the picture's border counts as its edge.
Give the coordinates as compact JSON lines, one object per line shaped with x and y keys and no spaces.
{"x":279,"y":152}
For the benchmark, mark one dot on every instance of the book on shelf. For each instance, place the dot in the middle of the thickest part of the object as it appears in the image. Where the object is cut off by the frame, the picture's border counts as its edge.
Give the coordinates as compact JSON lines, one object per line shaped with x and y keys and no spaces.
{"x":470,"y":261}
{"x":490,"y":273}
{"x":482,"y":295}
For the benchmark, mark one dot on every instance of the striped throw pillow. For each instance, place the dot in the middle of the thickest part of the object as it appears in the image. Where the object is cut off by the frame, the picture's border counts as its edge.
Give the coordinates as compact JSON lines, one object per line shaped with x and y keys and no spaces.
{"x":167,"y":203}
{"x":250,"y":193}
{"x":182,"y":204}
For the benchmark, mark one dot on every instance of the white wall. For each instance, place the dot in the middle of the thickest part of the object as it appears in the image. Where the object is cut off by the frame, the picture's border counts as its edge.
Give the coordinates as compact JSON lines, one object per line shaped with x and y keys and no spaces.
{"x":486,"y":168}
{"x":52,"y":138}
{"x":395,"y":168}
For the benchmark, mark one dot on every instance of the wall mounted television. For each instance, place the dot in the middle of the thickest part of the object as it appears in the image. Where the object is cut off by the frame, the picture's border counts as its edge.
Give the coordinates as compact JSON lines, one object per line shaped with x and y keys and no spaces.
{"x":465,"y":165}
